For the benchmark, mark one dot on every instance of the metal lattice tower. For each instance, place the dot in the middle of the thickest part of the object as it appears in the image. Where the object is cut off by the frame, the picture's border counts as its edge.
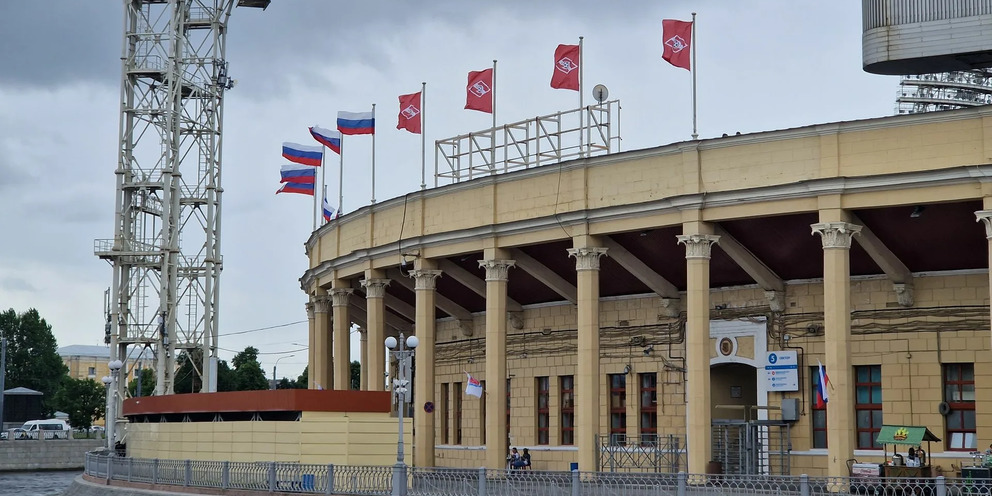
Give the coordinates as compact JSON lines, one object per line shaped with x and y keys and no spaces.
{"x":166,"y":247}
{"x":944,"y":91}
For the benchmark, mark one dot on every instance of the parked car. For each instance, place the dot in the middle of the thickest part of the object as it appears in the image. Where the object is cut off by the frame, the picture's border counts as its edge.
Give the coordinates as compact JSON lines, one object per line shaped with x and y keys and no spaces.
{"x":97,"y":428}
{"x":50,"y":428}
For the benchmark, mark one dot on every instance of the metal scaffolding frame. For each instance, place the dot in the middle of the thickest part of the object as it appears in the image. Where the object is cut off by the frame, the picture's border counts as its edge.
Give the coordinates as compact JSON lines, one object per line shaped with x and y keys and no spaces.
{"x":543,"y":140}
{"x":166,"y":247}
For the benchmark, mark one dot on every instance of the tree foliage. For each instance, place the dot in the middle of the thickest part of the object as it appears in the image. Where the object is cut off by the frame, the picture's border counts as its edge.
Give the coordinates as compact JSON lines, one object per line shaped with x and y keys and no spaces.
{"x":248,"y":372}
{"x":84,"y":400}
{"x":356,"y":375}
{"x":147,"y":383}
{"x":33,"y":359}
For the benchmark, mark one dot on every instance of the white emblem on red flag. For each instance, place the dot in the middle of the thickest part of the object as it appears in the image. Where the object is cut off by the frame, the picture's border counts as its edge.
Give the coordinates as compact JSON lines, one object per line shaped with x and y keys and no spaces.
{"x":410,"y":112}
{"x":480,"y":88}
{"x":566,"y":65}
{"x":676,"y":43}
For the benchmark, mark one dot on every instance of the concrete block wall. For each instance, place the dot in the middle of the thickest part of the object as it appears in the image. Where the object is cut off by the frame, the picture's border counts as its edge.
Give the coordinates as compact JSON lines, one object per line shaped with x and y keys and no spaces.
{"x":47,"y":454}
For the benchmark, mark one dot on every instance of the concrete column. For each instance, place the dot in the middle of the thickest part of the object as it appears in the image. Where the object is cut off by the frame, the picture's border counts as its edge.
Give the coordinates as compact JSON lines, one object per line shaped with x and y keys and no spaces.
{"x":342,"y":338}
{"x":587,"y":378}
{"x":836,"y":237}
{"x":697,"y":348}
{"x":312,"y":343}
{"x":375,"y":293}
{"x":497,"y":274}
{"x":985,"y":217}
{"x":425,"y":276}
{"x":320,"y":367}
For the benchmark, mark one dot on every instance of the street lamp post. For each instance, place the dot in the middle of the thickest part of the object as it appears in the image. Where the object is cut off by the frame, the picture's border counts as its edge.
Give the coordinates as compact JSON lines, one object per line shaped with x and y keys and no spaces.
{"x":274,"y":377}
{"x":115,"y":371}
{"x":401,"y":389}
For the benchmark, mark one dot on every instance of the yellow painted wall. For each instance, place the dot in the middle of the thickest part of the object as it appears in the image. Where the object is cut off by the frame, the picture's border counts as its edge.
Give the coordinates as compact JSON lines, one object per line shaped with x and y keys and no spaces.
{"x":318,"y":438}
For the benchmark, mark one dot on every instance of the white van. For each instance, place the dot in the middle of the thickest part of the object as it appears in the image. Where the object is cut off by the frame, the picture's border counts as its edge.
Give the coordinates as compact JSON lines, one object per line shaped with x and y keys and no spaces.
{"x":51,"y":429}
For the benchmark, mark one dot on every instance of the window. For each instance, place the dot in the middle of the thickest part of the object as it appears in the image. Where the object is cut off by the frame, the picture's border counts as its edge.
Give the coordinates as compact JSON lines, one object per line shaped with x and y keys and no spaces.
{"x":649,"y":408}
{"x":868,"y":404}
{"x":444,"y":414}
{"x":91,"y":372}
{"x":959,"y":393}
{"x":818,"y":410}
{"x":567,"y":390}
{"x":543,"y":410}
{"x":618,"y":409}
{"x":457,"y":428}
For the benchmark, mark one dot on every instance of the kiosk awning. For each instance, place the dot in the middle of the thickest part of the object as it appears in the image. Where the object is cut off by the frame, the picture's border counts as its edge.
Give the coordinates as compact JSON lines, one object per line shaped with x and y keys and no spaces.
{"x":905,"y":434}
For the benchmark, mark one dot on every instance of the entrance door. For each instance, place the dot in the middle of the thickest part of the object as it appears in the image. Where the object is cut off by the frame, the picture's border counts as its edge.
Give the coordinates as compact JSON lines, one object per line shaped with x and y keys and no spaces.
{"x":733,"y":391}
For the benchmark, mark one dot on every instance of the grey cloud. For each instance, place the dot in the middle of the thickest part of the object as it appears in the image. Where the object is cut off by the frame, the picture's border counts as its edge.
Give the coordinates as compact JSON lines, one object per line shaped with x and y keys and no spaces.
{"x":16,"y":284}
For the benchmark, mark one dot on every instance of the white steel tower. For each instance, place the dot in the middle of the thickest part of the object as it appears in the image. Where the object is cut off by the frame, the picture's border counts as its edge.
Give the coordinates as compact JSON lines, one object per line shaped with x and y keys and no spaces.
{"x":166,"y":246}
{"x":944,"y":91}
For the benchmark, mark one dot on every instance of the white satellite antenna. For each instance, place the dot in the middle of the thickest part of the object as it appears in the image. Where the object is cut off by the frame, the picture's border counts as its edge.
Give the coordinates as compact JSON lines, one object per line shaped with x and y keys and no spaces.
{"x":600,"y":93}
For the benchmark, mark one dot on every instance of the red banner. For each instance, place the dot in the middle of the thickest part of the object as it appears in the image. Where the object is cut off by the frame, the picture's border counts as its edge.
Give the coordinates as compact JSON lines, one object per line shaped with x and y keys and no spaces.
{"x":410,"y":117}
{"x":677,"y":36}
{"x":479,"y":92}
{"x":566,"y":75}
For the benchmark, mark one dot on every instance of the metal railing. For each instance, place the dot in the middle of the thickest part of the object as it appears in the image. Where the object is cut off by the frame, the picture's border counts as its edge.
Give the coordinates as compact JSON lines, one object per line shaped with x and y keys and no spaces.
{"x":585,"y":132}
{"x":377,"y":481}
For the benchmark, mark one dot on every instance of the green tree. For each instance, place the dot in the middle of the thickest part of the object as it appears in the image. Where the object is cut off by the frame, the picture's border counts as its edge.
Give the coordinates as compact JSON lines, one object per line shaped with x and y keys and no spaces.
{"x":33,"y":359}
{"x":226,"y":381}
{"x":248,"y":372}
{"x":356,"y":375}
{"x":147,"y":383}
{"x":187,"y":377}
{"x":84,"y":400}
{"x":302,"y":382}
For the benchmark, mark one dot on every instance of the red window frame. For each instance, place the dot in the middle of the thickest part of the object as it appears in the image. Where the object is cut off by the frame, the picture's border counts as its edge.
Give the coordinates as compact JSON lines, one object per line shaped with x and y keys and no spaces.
{"x":648,"y":382}
{"x":868,"y":381}
{"x":957,"y":379}
{"x":567,"y":394}
{"x":618,"y":409}
{"x":543,"y":386}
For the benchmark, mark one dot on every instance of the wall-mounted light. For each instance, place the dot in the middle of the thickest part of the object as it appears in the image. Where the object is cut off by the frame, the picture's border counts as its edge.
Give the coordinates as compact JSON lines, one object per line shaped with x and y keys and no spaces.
{"x":626,"y":369}
{"x":648,"y":349}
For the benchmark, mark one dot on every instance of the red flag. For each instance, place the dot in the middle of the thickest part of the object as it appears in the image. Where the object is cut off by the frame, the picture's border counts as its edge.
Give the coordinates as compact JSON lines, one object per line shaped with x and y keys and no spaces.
{"x":566,"y":75}
{"x":410,"y":118}
{"x":677,"y":36}
{"x":479,"y":92}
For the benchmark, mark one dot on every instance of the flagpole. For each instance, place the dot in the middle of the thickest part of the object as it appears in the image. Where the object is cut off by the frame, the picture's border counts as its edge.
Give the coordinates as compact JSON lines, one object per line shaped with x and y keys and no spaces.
{"x":373,"y":153}
{"x":492,"y":144}
{"x":341,"y":176}
{"x":582,"y":113}
{"x":314,"y":212}
{"x":693,"y":71}
{"x":323,"y":181}
{"x":423,"y":140}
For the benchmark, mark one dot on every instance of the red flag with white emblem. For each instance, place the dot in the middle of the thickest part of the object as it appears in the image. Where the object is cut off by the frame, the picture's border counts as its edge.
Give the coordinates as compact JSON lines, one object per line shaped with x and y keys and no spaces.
{"x":566,"y":75}
{"x":677,"y":37}
{"x":410,"y":118}
{"x":479,"y":92}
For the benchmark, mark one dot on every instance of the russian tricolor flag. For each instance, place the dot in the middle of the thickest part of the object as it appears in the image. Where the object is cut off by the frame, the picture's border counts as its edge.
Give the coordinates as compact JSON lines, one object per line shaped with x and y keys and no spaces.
{"x":356,"y":122}
{"x":299,"y":188}
{"x":293,"y":173}
{"x":328,"y":211}
{"x":328,"y":138}
{"x":303,"y":154}
{"x":822,"y":396}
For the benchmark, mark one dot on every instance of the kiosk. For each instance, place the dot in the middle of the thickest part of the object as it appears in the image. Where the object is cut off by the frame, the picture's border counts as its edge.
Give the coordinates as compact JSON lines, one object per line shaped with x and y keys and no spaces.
{"x":911,"y":436}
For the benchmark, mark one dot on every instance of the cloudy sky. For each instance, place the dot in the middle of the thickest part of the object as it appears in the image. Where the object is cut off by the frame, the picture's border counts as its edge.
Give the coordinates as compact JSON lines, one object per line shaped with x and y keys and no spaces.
{"x":761,"y":65}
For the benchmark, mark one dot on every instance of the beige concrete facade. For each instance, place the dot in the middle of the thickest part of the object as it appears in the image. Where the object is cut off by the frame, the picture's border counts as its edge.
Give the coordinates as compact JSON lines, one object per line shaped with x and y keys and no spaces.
{"x":906,"y":326}
{"x":318,"y":438}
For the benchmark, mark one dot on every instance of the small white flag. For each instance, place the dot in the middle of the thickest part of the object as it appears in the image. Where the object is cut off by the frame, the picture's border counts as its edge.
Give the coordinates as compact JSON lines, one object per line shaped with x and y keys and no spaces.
{"x":473,"y":387}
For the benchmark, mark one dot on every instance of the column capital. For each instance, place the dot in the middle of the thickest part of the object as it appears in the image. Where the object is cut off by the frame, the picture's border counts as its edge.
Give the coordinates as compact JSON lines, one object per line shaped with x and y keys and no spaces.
{"x":836,"y":235}
{"x":375,"y":288}
{"x":985,"y":217}
{"x":322,"y":304}
{"x":698,"y":245}
{"x":309,"y":307}
{"x":425,"y":278}
{"x":340,"y":296}
{"x":497,"y":270}
{"x":587,"y":258}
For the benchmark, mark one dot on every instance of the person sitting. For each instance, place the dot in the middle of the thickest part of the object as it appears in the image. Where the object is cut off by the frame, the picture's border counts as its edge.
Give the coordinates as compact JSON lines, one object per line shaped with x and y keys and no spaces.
{"x":522,"y":461}
{"x":513,"y":457}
